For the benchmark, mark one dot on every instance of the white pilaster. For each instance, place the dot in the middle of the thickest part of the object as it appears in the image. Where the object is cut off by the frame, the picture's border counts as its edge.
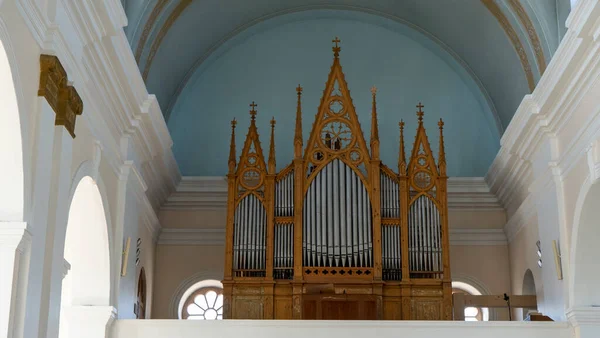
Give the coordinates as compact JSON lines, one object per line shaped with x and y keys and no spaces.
{"x":42,"y":178}
{"x":55,"y":237}
{"x":15,"y":245}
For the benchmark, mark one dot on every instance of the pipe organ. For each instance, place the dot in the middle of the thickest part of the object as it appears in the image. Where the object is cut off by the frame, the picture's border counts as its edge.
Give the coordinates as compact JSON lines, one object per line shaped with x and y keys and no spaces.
{"x":337,"y":234}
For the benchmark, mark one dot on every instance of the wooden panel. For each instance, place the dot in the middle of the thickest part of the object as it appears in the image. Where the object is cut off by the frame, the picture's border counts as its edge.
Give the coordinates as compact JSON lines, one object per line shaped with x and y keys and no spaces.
{"x":309,"y":309}
{"x":392,"y":309}
{"x":247,"y":308}
{"x":340,"y":310}
{"x":426,"y":309}
{"x":283,"y":308}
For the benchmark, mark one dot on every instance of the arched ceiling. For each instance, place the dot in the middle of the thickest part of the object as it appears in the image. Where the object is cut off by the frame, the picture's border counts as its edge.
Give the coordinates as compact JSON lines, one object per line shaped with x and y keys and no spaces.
{"x":504,"y":44}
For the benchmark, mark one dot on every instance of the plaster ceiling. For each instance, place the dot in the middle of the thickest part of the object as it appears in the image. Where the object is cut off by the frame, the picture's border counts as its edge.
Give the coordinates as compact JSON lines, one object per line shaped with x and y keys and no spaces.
{"x":504,"y":44}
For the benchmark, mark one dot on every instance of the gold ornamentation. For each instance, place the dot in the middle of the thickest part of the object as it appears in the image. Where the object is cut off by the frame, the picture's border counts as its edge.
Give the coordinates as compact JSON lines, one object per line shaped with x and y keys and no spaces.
{"x":514,"y":38}
{"x":64,"y":99}
{"x":533,"y":36}
{"x":148,"y":27}
{"x":162,"y":33}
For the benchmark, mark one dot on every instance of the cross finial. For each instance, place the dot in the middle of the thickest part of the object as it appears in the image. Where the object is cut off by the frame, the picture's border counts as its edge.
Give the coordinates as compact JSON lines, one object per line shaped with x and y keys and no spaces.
{"x":233,"y":123}
{"x":299,"y":90}
{"x":441,"y":124}
{"x":373,"y":90}
{"x":253,"y":110}
{"x":273,"y":122}
{"x":336,"y":48}
{"x":420,"y":112}
{"x":401,"y":124}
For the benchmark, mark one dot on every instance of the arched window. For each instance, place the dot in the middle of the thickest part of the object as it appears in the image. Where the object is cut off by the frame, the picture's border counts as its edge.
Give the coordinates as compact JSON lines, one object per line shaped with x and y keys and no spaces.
{"x":202,"y":301}
{"x":472,"y":314}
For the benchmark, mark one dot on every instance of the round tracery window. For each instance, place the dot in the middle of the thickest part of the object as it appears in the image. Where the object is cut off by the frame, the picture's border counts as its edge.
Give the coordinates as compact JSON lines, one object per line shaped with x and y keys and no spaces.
{"x":204,"y":304}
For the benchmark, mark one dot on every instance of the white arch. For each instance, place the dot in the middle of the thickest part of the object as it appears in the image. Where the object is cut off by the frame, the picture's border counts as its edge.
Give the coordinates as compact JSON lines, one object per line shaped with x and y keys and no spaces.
{"x":470,"y":289}
{"x":584,"y":273}
{"x":12,"y":194}
{"x":88,"y":282}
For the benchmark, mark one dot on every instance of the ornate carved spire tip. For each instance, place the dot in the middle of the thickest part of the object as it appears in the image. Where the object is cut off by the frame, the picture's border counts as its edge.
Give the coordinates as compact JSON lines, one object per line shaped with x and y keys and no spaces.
{"x":233,"y":123}
{"x":374,"y":90}
{"x":401,"y":124}
{"x":273,"y":122}
{"x":253,"y":110}
{"x":299,"y":90}
{"x":420,"y":112}
{"x":441,"y":124}
{"x":336,"y":48}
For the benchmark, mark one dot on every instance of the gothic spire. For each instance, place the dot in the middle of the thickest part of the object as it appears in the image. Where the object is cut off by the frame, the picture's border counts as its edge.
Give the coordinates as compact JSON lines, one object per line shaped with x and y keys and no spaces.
{"x":374,"y":127}
{"x":420,"y":113}
{"x":442,"y":152}
{"x":336,"y":48}
{"x":402,"y":156}
{"x":272,"y":149}
{"x":232,"y":148}
{"x":298,"y":131}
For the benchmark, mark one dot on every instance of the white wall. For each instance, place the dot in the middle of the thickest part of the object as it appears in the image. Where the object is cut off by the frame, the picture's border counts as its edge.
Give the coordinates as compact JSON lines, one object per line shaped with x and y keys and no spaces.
{"x":121,"y":142}
{"x":327,"y":329}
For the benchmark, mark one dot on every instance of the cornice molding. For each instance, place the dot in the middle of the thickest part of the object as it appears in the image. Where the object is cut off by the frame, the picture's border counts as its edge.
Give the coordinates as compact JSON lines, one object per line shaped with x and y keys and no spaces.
{"x":542,"y":115}
{"x":207,"y":237}
{"x":210,"y":193}
{"x":215,"y":236}
{"x":461,"y":237}
{"x":92,"y":62}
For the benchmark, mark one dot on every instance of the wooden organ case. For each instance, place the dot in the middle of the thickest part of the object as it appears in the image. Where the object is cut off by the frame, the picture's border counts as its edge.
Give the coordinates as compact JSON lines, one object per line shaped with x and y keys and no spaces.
{"x":337,"y":234}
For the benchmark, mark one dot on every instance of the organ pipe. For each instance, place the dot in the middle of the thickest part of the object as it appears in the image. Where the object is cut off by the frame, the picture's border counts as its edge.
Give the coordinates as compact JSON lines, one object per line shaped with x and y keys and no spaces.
{"x":337,"y":219}
{"x":336,"y":211}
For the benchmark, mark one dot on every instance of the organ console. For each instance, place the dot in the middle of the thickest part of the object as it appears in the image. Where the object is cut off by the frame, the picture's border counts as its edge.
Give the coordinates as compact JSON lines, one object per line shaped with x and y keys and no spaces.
{"x":337,"y":234}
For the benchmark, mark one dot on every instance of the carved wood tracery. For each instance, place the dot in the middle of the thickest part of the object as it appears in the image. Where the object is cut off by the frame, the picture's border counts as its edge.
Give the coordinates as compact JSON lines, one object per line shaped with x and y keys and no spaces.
{"x":337,"y":138}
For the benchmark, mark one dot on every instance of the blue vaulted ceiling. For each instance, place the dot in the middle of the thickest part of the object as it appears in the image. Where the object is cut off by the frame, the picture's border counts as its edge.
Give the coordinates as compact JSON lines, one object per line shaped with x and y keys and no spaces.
{"x":501,"y":48}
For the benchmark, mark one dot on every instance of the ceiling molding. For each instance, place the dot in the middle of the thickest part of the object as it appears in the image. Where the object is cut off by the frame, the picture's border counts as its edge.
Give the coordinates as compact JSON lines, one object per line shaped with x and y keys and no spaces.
{"x":241,"y":28}
{"x":215,"y":236}
{"x":210,"y":193}
{"x":514,"y":39}
{"x":519,"y":10}
{"x":156,"y":10}
{"x":162,"y":33}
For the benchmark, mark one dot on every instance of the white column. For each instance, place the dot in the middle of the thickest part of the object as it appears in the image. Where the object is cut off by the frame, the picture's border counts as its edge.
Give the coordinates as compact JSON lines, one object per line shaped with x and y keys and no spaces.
{"x":15,"y":245}
{"x":42,"y":178}
{"x":88,"y":321}
{"x":55,"y":235}
{"x":586,"y":321}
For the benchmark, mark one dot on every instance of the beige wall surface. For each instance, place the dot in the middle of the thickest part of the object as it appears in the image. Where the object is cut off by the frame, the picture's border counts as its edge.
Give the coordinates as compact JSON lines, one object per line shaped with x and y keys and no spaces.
{"x":474,"y":219}
{"x":181,"y":265}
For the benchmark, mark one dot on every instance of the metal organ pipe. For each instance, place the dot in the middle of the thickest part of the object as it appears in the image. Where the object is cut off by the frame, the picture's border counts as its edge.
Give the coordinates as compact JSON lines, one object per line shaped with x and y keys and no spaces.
{"x":425,"y":238}
{"x":249,"y":237}
{"x":283,"y":233}
{"x":337,"y":219}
